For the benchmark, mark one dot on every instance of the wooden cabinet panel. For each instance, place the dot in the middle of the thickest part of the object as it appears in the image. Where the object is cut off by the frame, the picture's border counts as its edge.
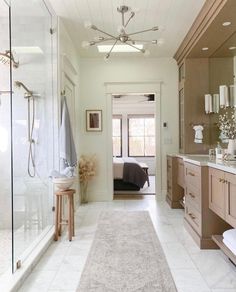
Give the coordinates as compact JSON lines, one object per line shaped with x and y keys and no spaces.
{"x":192,"y":196}
{"x":192,"y":175}
{"x":174,"y":192}
{"x":180,"y":172}
{"x":230,"y":192}
{"x":217,"y":192}
{"x":193,"y":217}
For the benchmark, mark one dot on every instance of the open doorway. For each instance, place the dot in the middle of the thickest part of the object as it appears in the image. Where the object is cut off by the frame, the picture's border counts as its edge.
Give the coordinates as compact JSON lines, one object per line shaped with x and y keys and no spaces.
{"x":134,"y":144}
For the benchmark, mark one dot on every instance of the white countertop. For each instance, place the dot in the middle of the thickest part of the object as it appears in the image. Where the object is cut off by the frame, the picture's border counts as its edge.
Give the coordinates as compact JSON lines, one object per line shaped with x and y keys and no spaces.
{"x":203,"y":160}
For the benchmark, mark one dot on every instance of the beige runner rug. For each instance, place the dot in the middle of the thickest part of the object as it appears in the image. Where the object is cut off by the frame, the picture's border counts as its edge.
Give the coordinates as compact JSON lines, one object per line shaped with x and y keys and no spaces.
{"x":126,"y":256}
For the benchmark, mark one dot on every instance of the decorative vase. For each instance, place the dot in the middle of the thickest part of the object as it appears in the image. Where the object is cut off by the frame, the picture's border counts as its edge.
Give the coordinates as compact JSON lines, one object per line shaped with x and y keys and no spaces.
{"x":83,"y":192}
{"x":231,"y":147}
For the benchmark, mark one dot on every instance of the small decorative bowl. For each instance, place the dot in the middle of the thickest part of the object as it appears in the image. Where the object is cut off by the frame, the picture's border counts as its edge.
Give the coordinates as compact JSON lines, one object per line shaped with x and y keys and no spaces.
{"x":63,"y":183}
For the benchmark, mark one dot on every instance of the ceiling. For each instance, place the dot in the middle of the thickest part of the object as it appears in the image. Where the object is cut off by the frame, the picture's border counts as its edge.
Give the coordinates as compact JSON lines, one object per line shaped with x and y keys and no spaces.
{"x":218,"y":38}
{"x":173,"y":17}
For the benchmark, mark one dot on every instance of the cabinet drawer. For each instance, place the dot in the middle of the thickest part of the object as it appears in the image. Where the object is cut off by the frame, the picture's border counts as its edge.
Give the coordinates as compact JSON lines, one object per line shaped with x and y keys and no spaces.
{"x":192,"y":196}
{"x":193,"y":175}
{"x":193,"y":217}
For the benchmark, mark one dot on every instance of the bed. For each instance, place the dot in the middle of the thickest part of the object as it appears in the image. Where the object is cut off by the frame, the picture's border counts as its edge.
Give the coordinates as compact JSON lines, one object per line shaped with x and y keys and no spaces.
{"x":128,"y":175}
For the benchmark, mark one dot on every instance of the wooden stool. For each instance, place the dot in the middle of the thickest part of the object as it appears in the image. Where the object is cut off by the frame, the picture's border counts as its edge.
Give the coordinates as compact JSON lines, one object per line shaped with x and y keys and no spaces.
{"x":59,"y":222}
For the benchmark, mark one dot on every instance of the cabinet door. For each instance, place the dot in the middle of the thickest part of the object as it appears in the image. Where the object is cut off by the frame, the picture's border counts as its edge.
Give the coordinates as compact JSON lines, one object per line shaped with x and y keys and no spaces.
{"x":230,"y":199}
{"x":217,"y":192}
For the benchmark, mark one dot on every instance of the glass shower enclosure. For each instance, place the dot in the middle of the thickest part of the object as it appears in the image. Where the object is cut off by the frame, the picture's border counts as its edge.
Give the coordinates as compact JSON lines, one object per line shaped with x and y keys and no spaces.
{"x":27,"y":128}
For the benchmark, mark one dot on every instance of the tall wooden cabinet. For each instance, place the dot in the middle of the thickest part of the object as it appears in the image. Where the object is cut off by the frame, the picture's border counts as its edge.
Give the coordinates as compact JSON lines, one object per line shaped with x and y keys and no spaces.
{"x":193,"y":85}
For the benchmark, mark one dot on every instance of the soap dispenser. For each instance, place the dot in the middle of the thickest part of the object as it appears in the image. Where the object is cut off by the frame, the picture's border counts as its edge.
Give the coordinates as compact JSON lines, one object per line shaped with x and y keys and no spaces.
{"x":218,"y":151}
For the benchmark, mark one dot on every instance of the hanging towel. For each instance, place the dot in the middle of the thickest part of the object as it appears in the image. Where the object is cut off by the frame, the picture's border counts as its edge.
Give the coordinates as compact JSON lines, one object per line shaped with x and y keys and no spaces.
{"x":67,"y":146}
{"x":198,"y":134}
{"x":224,"y":96}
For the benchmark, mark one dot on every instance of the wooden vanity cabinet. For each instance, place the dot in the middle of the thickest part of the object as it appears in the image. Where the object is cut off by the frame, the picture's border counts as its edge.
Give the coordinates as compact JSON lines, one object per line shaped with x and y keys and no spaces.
{"x":217,"y":192}
{"x":222,"y":195}
{"x":199,"y":220}
{"x":175,"y":192}
{"x":230,"y":214}
{"x":180,"y":172}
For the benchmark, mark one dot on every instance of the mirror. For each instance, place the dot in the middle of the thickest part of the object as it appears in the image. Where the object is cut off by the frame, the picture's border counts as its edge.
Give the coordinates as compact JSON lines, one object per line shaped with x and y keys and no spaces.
{"x":222,"y":71}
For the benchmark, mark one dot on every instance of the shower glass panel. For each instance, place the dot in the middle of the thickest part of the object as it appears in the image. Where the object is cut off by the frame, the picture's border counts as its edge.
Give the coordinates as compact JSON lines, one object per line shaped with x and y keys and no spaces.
{"x":32,"y":118}
{"x":5,"y":142}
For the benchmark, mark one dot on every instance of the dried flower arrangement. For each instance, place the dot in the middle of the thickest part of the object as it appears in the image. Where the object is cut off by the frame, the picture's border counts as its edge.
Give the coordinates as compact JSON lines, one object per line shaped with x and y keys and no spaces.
{"x":87,"y":170}
{"x":227,"y":125}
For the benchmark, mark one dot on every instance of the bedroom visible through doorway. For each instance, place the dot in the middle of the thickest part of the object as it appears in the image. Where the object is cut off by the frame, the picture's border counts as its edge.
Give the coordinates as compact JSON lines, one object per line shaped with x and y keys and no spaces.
{"x":134,"y":144}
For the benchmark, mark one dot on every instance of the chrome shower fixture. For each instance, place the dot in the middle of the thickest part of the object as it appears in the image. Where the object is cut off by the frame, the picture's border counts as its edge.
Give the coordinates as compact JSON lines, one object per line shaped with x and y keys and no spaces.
{"x":28,"y":92}
{"x":7,"y":58}
{"x":123,"y":37}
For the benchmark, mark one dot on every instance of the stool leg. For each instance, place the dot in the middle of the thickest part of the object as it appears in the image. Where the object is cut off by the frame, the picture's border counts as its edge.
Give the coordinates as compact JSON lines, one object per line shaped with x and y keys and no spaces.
{"x":69,"y":220}
{"x":56,"y":219}
{"x":60,"y":215}
{"x":72,"y":215}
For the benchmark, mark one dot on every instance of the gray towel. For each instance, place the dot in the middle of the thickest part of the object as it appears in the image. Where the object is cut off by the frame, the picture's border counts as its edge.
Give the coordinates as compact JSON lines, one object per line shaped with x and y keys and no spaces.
{"x":67,"y":145}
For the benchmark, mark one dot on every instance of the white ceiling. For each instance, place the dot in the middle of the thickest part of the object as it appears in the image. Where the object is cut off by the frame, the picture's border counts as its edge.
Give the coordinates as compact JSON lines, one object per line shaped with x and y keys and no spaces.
{"x":174,"y":17}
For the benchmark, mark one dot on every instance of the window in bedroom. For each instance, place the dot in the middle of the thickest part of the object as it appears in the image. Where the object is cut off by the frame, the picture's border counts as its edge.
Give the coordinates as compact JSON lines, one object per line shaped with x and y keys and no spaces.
{"x":141,"y":136}
{"x":117,"y":135}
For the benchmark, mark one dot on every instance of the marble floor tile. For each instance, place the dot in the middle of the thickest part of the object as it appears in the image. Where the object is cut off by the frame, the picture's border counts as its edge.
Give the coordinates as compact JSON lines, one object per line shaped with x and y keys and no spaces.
{"x":193,"y":270}
{"x":189,"y":280}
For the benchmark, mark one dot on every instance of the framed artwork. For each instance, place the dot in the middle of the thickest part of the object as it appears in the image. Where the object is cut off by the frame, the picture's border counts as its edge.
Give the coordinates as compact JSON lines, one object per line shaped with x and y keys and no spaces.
{"x":93,"y":120}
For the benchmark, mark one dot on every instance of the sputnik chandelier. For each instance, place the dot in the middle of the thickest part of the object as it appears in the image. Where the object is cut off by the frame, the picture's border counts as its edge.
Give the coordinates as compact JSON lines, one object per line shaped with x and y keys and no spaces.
{"x":123,"y":37}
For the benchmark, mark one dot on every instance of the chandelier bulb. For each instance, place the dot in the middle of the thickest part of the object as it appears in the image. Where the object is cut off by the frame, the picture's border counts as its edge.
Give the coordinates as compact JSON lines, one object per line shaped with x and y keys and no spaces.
{"x":98,"y":38}
{"x":85,"y":44}
{"x":87,"y":24}
{"x":146,"y":53}
{"x":106,"y":57}
{"x":160,"y":42}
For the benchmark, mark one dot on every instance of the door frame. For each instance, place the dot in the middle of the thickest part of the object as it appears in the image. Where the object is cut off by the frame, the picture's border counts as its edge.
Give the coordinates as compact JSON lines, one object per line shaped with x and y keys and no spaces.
{"x":134,"y":87}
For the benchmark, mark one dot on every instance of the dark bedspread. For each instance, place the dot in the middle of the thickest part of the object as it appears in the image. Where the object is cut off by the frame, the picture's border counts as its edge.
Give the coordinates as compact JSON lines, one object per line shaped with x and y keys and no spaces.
{"x":133,"y":173}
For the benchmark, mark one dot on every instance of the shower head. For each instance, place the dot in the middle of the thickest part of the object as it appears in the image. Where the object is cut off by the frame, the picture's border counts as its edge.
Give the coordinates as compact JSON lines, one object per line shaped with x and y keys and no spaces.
{"x":28,"y":93}
{"x":6,"y":59}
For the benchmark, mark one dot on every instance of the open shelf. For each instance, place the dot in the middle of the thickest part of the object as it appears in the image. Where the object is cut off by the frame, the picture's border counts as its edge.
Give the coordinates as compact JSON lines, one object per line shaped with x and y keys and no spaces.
{"x":218,"y":239}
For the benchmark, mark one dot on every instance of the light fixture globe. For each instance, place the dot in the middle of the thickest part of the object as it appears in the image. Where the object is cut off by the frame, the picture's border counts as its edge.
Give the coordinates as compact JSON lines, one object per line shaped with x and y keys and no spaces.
{"x":123,"y":37}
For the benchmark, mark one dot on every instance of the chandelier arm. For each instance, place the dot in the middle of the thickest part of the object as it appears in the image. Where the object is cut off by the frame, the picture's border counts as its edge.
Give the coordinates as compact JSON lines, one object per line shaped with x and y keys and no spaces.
{"x":131,"y":16}
{"x":141,"y":31}
{"x":112,"y":47}
{"x":141,"y":50}
{"x":144,"y":41}
{"x":110,"y":35}
{"x":104,"y":40}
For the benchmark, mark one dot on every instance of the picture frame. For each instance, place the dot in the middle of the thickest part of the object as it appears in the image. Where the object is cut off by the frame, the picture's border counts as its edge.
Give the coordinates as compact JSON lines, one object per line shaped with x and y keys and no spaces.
{"x":93,"y":120}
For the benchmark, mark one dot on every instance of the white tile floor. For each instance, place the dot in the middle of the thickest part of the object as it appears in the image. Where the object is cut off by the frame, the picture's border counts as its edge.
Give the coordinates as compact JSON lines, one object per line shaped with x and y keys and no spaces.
{"x":193,"y":270}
